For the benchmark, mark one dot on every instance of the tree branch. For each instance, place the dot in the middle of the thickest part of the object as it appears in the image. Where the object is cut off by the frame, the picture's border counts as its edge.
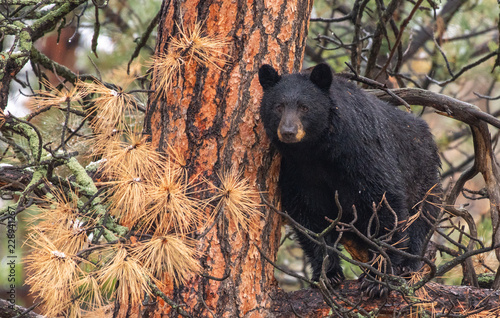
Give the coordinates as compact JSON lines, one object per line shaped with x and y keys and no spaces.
{"x":8,"y":310}
{"x":465,"y":112}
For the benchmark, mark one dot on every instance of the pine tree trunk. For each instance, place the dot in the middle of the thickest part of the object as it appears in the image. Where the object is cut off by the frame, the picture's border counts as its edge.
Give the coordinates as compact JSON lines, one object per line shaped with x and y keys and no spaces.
{"x":211,"y":117}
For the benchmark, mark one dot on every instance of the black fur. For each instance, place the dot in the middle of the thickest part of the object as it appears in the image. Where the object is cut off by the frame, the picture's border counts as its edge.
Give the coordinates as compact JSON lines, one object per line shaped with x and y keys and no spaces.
{"x":354,"y":144}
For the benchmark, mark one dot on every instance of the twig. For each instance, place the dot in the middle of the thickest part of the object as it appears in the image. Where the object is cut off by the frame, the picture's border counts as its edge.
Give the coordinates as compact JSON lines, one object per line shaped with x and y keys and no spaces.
{"x":29,"y":310}
{"x":223,"y":278}
{"x":464,"y":69}
{"x":97,"y":27}
{"x":39,"y":136}
{"x":157,"y":292}
{"x":487,"y":97}
{"x":373,"y":83}
{"x":398,"y":39}
{"x":293,"y":274}
{"x":144,"y":38}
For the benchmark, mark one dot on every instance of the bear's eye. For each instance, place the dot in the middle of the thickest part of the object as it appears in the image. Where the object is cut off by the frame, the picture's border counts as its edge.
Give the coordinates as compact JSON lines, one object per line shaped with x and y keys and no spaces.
{"x":303,"y":108}
{"x":280,"y":108}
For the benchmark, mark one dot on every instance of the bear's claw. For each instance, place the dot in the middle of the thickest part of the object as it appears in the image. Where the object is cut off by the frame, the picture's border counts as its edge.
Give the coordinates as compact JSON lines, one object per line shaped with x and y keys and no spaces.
{"x":337,"y":279}
{"x":373,"y":289}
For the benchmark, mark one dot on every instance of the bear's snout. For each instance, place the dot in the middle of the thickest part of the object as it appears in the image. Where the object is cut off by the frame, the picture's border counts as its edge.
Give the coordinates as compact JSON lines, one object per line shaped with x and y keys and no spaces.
{"x":291,"y":130}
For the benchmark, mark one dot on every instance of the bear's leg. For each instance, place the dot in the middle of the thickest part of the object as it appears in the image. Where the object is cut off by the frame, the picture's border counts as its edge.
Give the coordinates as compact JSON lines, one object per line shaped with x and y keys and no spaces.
{"x":418,"y":232}
{"x":316,"y":255}
{"x":375,"y":286}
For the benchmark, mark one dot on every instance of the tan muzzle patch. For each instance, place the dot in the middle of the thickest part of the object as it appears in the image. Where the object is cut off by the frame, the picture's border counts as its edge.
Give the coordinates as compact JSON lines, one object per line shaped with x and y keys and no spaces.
{"x":300,"y":134}
{"x":296,"y":138}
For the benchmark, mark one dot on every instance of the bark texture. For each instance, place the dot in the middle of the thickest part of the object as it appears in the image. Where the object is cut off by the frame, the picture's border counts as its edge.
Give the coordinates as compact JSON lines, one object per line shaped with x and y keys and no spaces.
{"x":211,"y":117}
{"x":451,"y":301}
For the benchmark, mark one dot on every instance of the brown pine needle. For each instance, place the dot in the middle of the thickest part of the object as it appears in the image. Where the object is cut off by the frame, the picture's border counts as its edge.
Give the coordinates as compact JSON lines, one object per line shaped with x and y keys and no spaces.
{"x":105,"y":311}
{"x":73,"y":239}
{"x":176,"y":157}
{"x":89,"y":296}
{"x":173,"y":207}
{"x":136,"y":153}
{"x":421,"y":293}
{"x":166,"y":67}
{"x":468,"y":311}
{"x":415,"y":216}
{"x":124,"y":276}
{"x":411,"y":219}
{"x":60,"y":222}
{"x":127,"y":195}
{"x":485,"y":262}
{"x":169,"y":255}
{"x":239,"y":202}
{"x":103,"y":142}
{"x":193,"y":44}
{"x":52,"y":273}
{"x":189,"y":45}
{"x":110,"y":105}
{"x":53,"y":97}
{"x":57,"y":207}
{"x":120,"y":77}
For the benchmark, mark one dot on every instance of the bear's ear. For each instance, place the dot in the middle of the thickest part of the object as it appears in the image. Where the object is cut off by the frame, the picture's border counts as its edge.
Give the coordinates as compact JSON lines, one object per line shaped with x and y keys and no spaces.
{"x":322,"y":77}
{"x":268,"y":77}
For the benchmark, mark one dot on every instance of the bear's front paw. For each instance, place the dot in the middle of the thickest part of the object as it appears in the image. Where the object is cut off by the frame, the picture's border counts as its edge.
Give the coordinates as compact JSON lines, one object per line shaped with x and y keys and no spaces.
{"x":336,"y":279}
{"x":407,"y":271}
{"x":373,"y":288}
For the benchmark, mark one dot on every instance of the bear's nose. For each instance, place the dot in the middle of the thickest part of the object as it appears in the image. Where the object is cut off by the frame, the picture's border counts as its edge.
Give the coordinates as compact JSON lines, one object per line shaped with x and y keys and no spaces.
{"x":288,"y":131}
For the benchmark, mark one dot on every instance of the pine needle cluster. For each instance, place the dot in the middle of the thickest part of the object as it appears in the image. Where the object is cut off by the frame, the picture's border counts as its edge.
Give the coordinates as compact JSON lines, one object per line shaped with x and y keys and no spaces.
{"x":59,"y":221}
{"x":100,"y":144}
{"x":89,"y":298}
{"x":52,"y":274}
{"x":110,"y":105}
{"x":51,"y":96}
{"x":238,"y":201}
{"x":188,"y":46}
{"x":123,"y":276}
{"x":127,"y":192}
{"x":169,"y":256}
{"x":172,"y":207}
{"x":132,"y":151}
{"x":166,"y":68}
{"x":194,"y":45}
{"x":146,"y":189}
{"x":58,"y":232}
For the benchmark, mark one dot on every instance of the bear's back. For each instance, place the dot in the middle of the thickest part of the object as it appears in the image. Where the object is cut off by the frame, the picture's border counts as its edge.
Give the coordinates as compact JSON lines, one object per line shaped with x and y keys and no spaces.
{"x":393,"y":139}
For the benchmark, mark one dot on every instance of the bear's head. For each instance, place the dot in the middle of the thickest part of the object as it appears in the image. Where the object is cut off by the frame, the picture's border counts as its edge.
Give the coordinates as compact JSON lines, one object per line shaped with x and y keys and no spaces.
{"x":296,"y":108}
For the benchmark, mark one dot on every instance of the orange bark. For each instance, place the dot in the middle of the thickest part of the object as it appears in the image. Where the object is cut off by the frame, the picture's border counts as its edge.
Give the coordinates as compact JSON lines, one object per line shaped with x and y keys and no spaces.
{"x":211,"y":117}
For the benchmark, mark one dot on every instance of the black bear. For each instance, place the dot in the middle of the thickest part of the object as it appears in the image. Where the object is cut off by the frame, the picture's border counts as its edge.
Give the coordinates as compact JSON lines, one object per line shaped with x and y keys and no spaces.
{"x":334,"y":137}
